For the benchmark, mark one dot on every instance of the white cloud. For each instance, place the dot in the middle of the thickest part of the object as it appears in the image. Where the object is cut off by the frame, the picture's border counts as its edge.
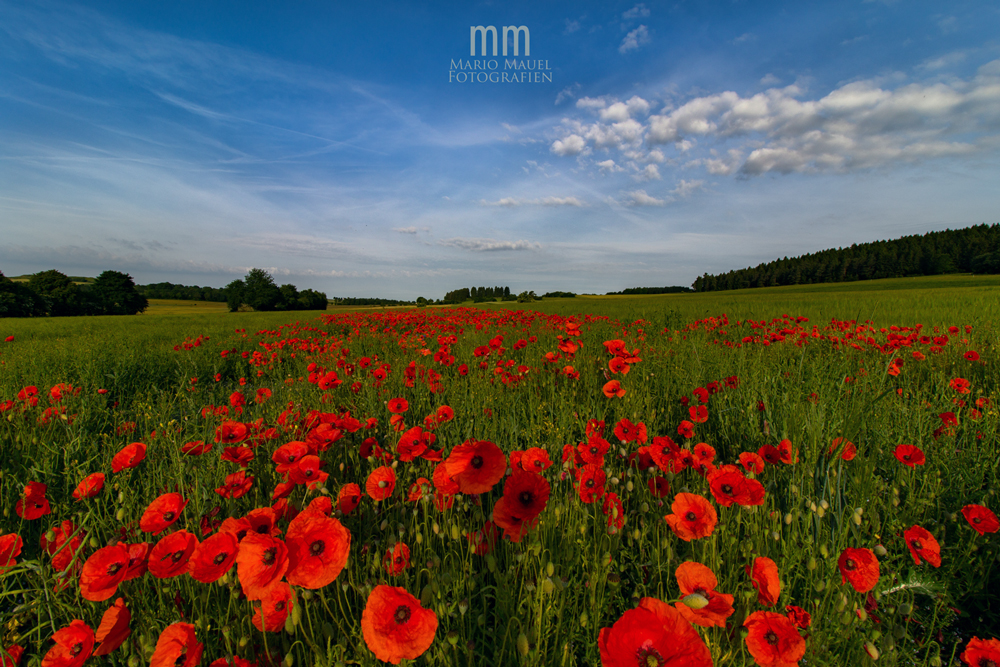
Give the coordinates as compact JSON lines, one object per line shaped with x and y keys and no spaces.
{"x":567,"y":93}
{"x":650,"y":173}
{"x":609,"y":166}
{"x":640,"y":198}
{"x":571,"y":145}
{"x":639,"y":11}
{"x":860,"y":125}
{"x":489,"y":245}
{"x":769,"y":80}
{"x":571,"y":27}
{"x":634,"y":39}
{"x":540,"y":201}
{"x":411,"y":230}
{"x":687,"y":188}
{"x":622,"y":111}
{"x":745,"y":37}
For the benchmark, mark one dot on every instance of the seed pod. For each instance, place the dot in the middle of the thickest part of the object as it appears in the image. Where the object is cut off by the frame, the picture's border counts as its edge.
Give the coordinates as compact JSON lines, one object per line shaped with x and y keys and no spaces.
{"x":583,"y":619}
{"x":289,"y":625}
{"x":550,"y":568}
{"x":548,"y":587}
{"x":289,"y":660}
{"x":812,"y":564}
{"x":296,"y":614}
{"x":695,"y":601}
{"x":456,"y":533}
{"x":452,"y":637}
{"x":522,"y":645}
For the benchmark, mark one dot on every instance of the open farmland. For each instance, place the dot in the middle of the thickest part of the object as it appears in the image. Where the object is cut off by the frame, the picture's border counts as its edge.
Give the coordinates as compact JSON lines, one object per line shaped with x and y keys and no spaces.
{"x":516,"y":484}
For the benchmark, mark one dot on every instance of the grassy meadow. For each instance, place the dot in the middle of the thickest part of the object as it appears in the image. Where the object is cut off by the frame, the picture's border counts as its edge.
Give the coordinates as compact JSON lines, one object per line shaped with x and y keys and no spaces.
{"x":820,"y":426}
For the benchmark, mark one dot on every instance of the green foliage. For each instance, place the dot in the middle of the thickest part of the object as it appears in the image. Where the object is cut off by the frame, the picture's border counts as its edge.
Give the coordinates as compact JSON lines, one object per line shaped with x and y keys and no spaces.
{"x":59,"y":295}
{"x":114,"y":293}
{"x":934,"y":253}
{"x":18,"y":300}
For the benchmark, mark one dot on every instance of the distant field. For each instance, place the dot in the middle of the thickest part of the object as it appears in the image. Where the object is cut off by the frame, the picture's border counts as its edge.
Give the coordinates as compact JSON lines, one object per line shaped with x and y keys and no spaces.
{"x":181,"y":307}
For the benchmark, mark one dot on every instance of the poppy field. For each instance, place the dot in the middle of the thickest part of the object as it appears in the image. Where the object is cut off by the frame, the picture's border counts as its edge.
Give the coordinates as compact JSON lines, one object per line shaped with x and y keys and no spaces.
{"x":640,"y":485}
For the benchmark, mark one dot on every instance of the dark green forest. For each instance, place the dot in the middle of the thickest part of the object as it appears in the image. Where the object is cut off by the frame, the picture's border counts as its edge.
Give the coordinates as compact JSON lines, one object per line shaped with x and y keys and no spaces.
{"x":54,"y":294}
{"x":970,"y":250}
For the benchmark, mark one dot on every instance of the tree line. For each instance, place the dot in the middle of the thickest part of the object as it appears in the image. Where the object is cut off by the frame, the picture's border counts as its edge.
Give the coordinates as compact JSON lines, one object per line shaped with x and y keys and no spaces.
{"x":970,"y":250}
{"x":478,"y":294}
{"x":52,"y":293}
{"x":674,"y":289}
{"x":258,"y":291}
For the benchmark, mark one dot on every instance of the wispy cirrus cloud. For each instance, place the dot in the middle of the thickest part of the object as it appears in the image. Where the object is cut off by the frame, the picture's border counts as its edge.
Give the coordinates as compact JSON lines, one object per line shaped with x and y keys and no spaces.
{"x":489,"y":245}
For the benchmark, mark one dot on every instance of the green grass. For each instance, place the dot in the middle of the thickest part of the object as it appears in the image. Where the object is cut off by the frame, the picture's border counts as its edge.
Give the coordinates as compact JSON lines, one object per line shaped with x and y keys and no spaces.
{"x":545,"y":599}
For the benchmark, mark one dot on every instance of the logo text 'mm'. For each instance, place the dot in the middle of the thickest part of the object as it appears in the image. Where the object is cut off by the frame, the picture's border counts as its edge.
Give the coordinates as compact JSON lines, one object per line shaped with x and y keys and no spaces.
{"x":514,"y":31}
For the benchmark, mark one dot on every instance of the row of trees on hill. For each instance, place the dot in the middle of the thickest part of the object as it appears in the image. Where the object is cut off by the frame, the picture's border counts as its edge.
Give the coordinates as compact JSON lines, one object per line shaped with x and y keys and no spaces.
{"x":258,"y":291}
{"x":182,"y":292}
{"x":675,"y":289}
{"x":971,"y":250}
{"x":51,"y":293}
{"x":478,"y":294}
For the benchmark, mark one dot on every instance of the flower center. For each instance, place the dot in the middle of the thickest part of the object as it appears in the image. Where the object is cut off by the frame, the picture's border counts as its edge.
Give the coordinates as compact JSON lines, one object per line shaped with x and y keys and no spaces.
{"x":849,"y":564}
{"x":916,"y":545}
{"x":987,"y":662}
{"x":977,"y":520}
{"x":591,"y":483}
{"x":526,"y":497}
{"x":477,"y":462}
{"x":317,"y":547}
{"x":270,"y":555}
{"x":177,"y":555}
{"x":402,"y":614}
{"x":77,"y":648}
{"x":114,"y":568}
{"x":771,"y":638}
{"x":647,"y":656}
{"x":727,"y":489}
{"x":168,"y":516}
{"x":691,"y":516}
{"x":221,"y":558}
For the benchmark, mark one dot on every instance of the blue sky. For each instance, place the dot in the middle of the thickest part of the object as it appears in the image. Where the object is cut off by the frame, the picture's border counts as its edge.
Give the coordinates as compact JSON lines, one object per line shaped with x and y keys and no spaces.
{"x":191,"y":141}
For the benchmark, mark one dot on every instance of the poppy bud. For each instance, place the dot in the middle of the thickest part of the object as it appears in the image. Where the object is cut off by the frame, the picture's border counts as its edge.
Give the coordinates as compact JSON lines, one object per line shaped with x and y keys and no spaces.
{"x":871,"y":650}
{"x":856,"y":518}
{"x":289,"y":660}
{"x":583,"y":620}
{"x":289,"y":625}
{"x":94,"y":543}
{"x":880,"y":551}
{"x":695,"y":601}
{"x":50,"y":535}
{"x":455,"y":532}
{"x":425,"y":596}
{"x":788,"y":519}
{"x":435,"y":527}
{"x":550,"y":569}
{"x":522,"y":644}
{"x":120,"y":514}
{"x":811,"y":565}
{"x":548,"y":586}
{"x":905,"y":609}
{"x":419,"y":538}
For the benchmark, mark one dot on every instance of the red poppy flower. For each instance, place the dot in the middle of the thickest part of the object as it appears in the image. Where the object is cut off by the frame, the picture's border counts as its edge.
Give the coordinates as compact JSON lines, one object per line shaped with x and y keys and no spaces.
{"x":74,"y":644}
{"x":693,"y":517}
{"x":590,"y":479}
{"x":764,"y":577}
{"x":798,"y":616}
{"x":231,"y":432}
{"x":923,"y":545}
{"x":961,"y":385}
{"x":593,"y":450}
{"x":381,"y":483}
{"x":274,"y":608}
{"x":909,"y":455}
{"x":10,"y":548}
{"x":654,"y":633}
{"x":318,"y":547}
{"x":729,"y":485}
{"x":752,"y":462}
{"x":613,"y":389}
{"x":613,"y":509}
{"x":348,"y":498}
{"x":129,"y":457}
{"x":162,"y":513}
{"x":773,"y":640}
{"x":860,"y":567}
{"x":242,"y":456}
{"x":697,"y":579}
{"x":90,"y":486}
{"x":103,"y":571}
{"x":196,"y":448}
{"x":535,"y":459}
{"x":395,"y":626}
{"x":526,"y":494}
{"x":685,"y":429}
{"x":33,"y":504}
{"x":398,"y":406}
{"x":626,"y":431}
{"x":476,"y":466}
{"x":114,"y":629}
{"x":397,"y":559}
{"x":659,"y":486}
{"x":138,"y":560}
{"x":770,"y":454}
{"x":15,"y":652}
{"x":61,"y":552}
{"x":177,"y":646}
{"x":982,"y":519}
{"x":307,"y":471}
{"x":514,"y":527}
{"x":849,"y":451}
{"x":699,"y":414}
{"x":981,"y":652}
{"x":171,"y":556}
{"x":261,"y":561}
{"x":213,"y":557}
